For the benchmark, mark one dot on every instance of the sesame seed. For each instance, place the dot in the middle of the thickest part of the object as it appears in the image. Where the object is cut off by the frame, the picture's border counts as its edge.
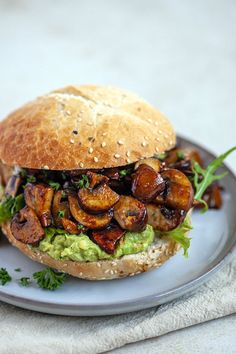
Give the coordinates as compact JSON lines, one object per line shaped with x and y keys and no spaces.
{"x":157,"y":139}
{"x":111,"y":271}
{"x":79,"y":119}
{"x":80,"y":273}
{"x":90,"y":150}
{"x":117,"y":156}
{"x":46,"y":167}
{"x":104,"y":134}
{"x":120,"y":142}
{"x":68,"y":112}
{"x":81,"y":164}
{"x":128,"y":160}
{"x":146,"y":137}
{"x":128,"y":154}
{"x":160,"y":131}
{"x":90,"y":123}
{"x":103,"y":144}
{"x":149,"y":120}
{"x":72,"y":141}
{"x":156,"y":123}
{"x":95,"y":159}
{"x":107,"y":271}
{"x":144,"y":143}
{"x":157,"y":149}
{"x":99,"y":265}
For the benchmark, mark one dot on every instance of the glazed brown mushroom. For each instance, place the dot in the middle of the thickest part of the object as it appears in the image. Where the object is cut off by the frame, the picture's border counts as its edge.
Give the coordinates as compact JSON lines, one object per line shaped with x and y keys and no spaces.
{"x":146,"y":183}
{"x":152,"y":162}
{"x":91,"y":221}
{"x":60,"y":206}
{"x":97,"y":200}
{"x":39,"y":198}
{"x":95,"y":179}
{"x":108,"y":238}
{"x":162,"y":218}
{"x":26,"y":227}
{"x":179,"y":192}
{"x":130,"y":214}
{"x":13,"y":185}
{"x":72,"y":228}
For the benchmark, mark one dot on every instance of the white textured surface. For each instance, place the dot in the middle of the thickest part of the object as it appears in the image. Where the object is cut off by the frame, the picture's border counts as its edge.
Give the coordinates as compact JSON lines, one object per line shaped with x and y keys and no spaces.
{"x":180,"y":55}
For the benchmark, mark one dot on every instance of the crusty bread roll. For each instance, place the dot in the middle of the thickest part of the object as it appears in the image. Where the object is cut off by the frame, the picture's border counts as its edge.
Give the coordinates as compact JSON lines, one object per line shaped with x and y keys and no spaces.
{"x":158,"y":253}
{"x":83,"y":127}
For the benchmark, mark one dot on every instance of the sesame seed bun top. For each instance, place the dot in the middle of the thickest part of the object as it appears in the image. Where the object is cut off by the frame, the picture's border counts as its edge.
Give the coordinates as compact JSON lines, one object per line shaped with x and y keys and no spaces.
{"x":83,"y":127}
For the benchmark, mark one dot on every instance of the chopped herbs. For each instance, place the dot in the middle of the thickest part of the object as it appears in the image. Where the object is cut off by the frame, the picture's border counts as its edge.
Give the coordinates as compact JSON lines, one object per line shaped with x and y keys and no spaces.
{"x":79,"y":226}
{"x":49,"y":279}
{"x":83,"y":182}
{"x":4,"y":276}
{"x":162,"y":156}
{"x":125,"y":172}
{"x":17,"y":270}
{"x":61,"y":213}
{"x":203,"y":178}
{"x":180,"y":155}
{"x":31,"y":179}
{"x":9,"y":206}
{"x":54,"y":185}
{"x":25,"y":281}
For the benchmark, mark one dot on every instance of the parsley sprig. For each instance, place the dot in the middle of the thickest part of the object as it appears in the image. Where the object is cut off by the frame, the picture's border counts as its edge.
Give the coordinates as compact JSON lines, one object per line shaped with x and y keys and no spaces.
{"x":24,"y":281}
{"x":54,"y":185}
{"x":203,"y":178}
{"x":4,"y":276}
{"x":49,"y":279}
{"x":9,"y":206}
{"x":83,"y":182}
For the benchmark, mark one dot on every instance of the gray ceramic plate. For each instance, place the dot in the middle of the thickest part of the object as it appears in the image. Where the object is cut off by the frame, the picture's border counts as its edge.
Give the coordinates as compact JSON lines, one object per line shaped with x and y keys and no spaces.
{"x":213,"y":239}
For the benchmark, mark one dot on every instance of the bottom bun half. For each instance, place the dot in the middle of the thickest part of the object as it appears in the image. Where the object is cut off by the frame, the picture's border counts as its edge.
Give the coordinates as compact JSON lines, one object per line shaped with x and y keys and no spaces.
{"x":156,"y":254}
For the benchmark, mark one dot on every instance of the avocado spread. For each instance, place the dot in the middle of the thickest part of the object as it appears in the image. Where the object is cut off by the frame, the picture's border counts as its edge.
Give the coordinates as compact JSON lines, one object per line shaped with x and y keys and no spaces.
{"x":61,"y":245}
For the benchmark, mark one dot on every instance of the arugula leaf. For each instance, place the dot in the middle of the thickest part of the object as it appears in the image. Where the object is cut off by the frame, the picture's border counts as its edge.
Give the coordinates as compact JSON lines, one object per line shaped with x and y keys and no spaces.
{"x":179,"y":235}
{"x":49,"y":279}
{"x":9,"y":206}
{"x":203,"y":178}
{"x":83,"y":182}
{"x":4,"y":276}
{"x":25,"y":281}
{"x":54,"y":185}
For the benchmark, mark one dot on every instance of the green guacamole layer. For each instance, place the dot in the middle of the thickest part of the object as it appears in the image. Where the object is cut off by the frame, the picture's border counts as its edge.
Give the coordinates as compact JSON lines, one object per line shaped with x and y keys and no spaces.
{"x":60,"y":245}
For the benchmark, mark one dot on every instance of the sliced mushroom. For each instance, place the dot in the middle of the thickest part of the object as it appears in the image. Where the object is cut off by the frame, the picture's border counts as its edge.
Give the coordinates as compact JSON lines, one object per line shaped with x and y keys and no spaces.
{"x":152,"y":162}
{"x":26,"y":227}
{"x":71,"y":227}
{"x":97,"y":200}
{"x":108,"y":238}
{"x":146,"y":183}
{"x":13,"y":185}
{"x":39,"y":198}
{"x":130,"y":214}
{"x":162,"y":218}
{"x":179,"y":191}
{"x":95,"y":179}
{"x":91,"y":221}
{"x":60,"y":206}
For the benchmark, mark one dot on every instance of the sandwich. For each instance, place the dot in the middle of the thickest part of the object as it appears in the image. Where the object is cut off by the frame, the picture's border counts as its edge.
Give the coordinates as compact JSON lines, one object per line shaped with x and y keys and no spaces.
{"x":94,"y":186}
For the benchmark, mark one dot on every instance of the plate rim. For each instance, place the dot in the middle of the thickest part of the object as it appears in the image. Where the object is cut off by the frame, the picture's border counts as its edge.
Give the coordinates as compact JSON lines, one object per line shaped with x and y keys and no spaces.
{"x":143,"y":302}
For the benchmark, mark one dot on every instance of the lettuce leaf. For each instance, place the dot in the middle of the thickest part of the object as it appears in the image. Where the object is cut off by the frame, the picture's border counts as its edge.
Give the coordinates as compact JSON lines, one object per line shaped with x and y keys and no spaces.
{"x":9,"y":206}
{"x":180,"y":234}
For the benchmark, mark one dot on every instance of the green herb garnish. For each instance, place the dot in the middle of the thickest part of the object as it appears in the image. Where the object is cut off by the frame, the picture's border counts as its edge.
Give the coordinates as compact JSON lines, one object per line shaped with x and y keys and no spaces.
{"x":203,"y":178}
{"x":125,"y":172}
{"x":83,"y":182}
{"x":17,"y":270}
{"x":61,"y":213}
{"x":49,"y":279}
{"x":162,"y":156}
{"x":179,"y":235}
{"x":4,"y":276}
{"x":79,"y":226}
{"x":54,"y":185}
{"x":31,"y":179}
{"x":180,"y":155}
{"x":9,"y":206}
{"x":25,"y":281}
